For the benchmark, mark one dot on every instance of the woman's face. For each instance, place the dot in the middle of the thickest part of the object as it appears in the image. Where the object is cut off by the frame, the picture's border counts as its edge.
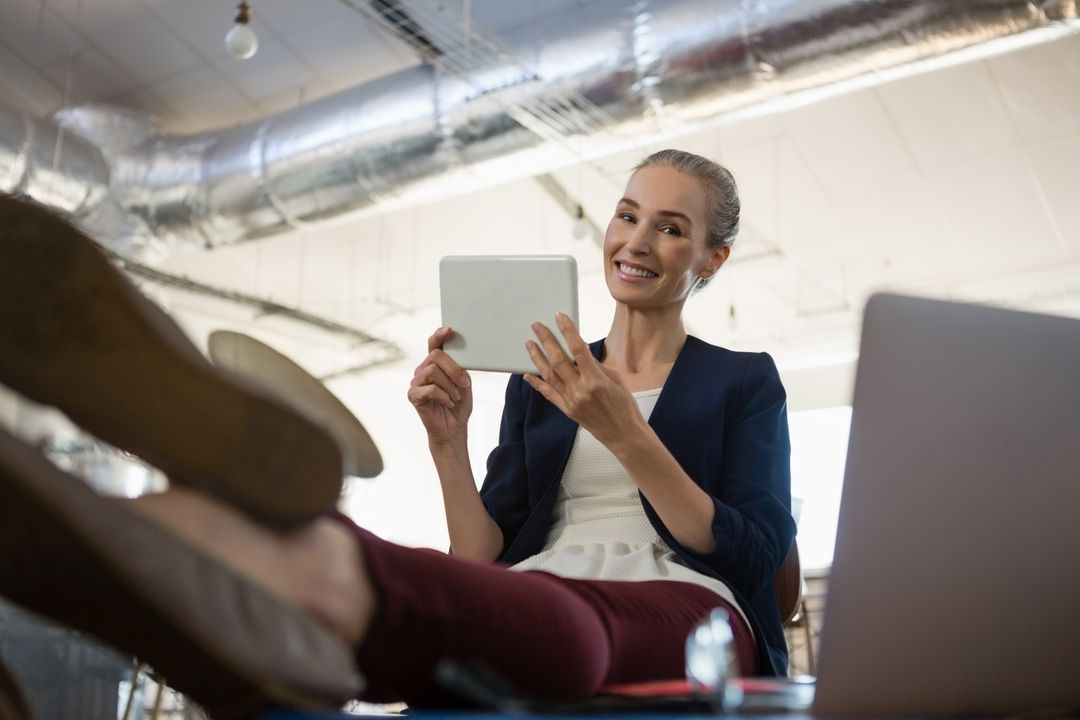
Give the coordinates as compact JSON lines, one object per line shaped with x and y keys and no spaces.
{"x":655,"y":246}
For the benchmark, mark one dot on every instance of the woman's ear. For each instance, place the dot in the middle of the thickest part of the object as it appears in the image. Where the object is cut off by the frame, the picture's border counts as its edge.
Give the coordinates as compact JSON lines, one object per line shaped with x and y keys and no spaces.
{"x":717,"y":258}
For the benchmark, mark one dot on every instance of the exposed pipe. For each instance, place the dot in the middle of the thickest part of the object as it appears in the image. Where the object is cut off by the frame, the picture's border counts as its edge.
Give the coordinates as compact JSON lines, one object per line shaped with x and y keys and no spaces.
{"x":650,"y":66}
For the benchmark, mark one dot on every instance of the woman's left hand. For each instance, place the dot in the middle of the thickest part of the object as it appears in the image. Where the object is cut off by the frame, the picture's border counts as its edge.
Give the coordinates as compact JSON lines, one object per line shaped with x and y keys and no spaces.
{"x":588,"y":393}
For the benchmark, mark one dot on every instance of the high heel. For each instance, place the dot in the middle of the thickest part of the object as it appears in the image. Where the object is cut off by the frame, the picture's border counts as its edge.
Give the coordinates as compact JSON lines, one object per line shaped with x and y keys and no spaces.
{"x":75,"y":333}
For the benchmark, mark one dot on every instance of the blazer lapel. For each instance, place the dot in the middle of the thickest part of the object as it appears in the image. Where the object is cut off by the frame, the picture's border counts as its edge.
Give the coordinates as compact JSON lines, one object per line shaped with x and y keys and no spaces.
{"x":670,"y":408}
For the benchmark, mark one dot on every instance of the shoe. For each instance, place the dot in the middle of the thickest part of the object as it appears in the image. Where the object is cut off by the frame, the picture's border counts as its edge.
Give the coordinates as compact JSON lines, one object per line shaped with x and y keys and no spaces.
{"x":13,"y":704}
{"x":89,"y":562}
{"x":75,"y":333}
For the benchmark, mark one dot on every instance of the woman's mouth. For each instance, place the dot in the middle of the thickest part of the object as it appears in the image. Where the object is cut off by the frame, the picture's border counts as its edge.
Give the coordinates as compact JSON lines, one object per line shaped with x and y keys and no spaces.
{"x":633,"y":271}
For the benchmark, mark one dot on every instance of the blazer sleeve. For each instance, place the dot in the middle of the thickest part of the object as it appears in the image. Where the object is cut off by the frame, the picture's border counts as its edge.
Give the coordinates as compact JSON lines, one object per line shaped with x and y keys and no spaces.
{"x":752,"y":527}
{"x":505,"y":491}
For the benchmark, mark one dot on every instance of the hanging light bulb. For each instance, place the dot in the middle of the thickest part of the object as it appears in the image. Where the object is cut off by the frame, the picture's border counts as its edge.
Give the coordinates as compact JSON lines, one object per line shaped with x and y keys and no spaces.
{"x":579,"y":228}
{"x":241,"y":41}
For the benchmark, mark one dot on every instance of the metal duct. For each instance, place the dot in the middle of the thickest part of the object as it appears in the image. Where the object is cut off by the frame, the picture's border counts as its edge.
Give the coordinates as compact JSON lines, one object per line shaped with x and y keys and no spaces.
{"x":39,"y":159}
{"x":643,"y":67}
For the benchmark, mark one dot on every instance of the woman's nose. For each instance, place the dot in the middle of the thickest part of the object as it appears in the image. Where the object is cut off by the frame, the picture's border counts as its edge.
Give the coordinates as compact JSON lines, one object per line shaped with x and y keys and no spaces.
{"x":638,"y":241}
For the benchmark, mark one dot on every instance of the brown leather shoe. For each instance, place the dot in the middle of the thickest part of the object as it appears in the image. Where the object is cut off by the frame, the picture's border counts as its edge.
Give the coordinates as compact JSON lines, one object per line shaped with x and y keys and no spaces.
{"x":76,"y":333}
{"x":13,"y":704}
{"x":89,"y":562}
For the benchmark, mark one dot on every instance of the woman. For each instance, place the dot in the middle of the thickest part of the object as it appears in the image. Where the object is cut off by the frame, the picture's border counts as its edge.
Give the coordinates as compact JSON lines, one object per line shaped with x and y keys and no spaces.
{"x":240,"y":598}
{"x":711,"y":463}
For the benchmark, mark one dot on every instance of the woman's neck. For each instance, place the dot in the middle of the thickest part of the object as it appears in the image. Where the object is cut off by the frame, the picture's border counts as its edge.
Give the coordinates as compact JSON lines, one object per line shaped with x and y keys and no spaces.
{"x":644,"y":342}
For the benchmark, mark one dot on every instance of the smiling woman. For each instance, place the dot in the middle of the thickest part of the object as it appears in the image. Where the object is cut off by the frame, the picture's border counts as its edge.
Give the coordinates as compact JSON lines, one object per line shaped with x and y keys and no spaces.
{"x":646,"y":456}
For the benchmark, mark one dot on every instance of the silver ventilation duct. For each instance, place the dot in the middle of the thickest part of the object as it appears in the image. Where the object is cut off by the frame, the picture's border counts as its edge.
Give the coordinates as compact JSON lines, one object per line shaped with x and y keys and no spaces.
{"x":599,"y":79}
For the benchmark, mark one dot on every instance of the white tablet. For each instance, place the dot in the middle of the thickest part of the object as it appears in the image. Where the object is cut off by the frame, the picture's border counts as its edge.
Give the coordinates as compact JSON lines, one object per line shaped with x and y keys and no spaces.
{"x":491,"y":301}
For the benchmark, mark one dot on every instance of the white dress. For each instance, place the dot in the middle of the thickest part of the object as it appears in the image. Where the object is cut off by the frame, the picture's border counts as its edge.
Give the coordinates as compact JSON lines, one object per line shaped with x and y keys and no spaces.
{"x":599,"y":529}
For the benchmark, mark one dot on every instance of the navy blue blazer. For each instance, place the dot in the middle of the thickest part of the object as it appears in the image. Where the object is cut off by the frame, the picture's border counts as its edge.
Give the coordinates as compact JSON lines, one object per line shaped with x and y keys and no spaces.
{"x":723,"y":416}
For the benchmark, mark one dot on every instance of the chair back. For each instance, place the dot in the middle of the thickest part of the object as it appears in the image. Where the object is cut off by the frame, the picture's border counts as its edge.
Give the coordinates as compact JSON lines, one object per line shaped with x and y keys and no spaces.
{"x":787,"y":584}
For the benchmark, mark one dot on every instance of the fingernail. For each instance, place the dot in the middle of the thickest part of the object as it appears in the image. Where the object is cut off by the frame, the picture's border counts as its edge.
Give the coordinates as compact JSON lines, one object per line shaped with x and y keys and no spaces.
{"x":456,"y":395}
{"x":464,"y":382}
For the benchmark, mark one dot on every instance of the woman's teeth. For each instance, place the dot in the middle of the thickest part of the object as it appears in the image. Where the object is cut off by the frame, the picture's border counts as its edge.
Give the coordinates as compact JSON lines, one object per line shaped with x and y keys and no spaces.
{"x":636,"y":272}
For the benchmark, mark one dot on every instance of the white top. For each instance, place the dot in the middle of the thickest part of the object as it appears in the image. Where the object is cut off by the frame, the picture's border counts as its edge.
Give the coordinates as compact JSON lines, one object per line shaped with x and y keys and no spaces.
{"x":599,"y":529}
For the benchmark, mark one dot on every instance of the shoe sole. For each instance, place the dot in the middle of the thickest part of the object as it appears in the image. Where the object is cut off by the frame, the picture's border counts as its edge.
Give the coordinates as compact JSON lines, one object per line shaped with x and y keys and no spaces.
{"x":75,"y":333}
{"x":88,"y":562}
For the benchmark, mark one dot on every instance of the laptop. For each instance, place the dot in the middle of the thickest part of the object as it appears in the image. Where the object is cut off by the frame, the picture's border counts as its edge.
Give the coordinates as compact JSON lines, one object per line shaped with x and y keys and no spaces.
{"x":955,"y":586}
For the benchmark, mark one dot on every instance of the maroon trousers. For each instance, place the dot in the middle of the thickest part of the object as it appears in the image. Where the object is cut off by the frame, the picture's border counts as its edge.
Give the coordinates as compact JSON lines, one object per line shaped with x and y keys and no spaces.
{"x":551,"y":637}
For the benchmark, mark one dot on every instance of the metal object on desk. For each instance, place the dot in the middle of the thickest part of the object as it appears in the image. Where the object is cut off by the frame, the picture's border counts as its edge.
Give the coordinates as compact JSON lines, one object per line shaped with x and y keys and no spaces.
{"x":710,"y":659}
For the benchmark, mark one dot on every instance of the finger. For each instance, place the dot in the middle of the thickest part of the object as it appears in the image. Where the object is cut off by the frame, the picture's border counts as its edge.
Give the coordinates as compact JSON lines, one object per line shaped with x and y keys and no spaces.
{"x":543,"y":367}
{"x":560,"y":364}
{"x":448,"y":365}
{"x":579,"y":349}
{"x":546,"y":390}
{"x":427,"y":394}
{"x":435,"y":342}
{"x":433,"y":375}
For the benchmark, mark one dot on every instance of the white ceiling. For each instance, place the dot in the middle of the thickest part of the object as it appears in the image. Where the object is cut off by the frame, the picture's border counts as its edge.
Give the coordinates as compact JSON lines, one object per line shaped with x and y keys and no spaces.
{"x":958,"y":183}
{"x":168,"y":57}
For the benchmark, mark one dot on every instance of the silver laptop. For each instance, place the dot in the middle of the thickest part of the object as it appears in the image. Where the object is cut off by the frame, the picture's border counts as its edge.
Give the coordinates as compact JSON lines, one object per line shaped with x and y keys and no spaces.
{"x":955,"y":586}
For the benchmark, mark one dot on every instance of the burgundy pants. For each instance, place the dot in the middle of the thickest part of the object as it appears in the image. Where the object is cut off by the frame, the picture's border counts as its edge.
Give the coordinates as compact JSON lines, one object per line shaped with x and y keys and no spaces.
{"x":550,"y":637}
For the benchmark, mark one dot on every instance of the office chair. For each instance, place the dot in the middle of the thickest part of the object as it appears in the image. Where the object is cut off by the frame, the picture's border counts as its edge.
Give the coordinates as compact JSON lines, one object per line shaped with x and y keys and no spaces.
{"x":788,"y":588}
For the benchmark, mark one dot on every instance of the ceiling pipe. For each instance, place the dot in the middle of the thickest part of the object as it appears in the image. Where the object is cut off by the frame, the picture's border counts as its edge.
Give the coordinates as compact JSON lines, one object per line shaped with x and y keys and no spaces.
{"x":654,"y":67}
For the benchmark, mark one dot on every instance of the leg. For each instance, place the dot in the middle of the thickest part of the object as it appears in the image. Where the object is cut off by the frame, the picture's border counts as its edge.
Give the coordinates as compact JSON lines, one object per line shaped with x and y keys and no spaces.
{"x":550,"y":637}
{"x":239,"y":615}
{"x":89,"y":562}
{"x":75,"y":333}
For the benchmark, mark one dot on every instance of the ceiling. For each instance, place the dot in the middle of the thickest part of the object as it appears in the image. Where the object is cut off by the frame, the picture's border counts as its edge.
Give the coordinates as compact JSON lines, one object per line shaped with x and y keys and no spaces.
{"x":955,"y":183}
{"x":168,"y":58}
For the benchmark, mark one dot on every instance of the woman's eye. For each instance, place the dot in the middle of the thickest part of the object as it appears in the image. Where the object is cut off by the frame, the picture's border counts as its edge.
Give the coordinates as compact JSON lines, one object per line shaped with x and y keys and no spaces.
{"x":625,"y":216}
{"x":671,"y":230}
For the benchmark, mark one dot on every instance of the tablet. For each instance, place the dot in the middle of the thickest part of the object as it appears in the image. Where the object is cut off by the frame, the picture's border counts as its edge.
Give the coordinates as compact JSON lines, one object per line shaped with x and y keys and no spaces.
{"x":491,"y":301}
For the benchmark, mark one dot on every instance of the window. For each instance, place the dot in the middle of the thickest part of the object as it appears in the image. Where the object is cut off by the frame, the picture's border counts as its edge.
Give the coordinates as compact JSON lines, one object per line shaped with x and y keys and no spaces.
{"x":819,"y":441}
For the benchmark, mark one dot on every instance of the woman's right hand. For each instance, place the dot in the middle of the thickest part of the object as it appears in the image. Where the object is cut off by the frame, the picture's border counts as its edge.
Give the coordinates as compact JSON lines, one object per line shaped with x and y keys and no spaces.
{"x":441,"y":392}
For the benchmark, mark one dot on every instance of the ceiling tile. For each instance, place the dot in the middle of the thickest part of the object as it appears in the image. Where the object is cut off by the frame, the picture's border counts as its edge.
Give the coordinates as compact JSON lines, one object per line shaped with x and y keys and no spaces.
{"x":347,"y":54}
{"x":93,"y":76}
{"x":748,"y":132}
{"x":993,"y":206}
{"x":25,"y":87}
{"x":151,"y":103}
{"x":1057,"y":167}
{"x":201,"y":23}
{"x":286,"y":17}
{"x":147,"y":48}
{"x":91,"y":16}
{"x":204,"y":100}
{"x":1041,"y":87}
{"x":805,"y":217}
{"x":37,"y":34}
{"x":754,"y":166}
{"x":895,"y":222}
{"x":847,"y":136}
{"x":273,"y":70}
{"x":947,"y":114}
